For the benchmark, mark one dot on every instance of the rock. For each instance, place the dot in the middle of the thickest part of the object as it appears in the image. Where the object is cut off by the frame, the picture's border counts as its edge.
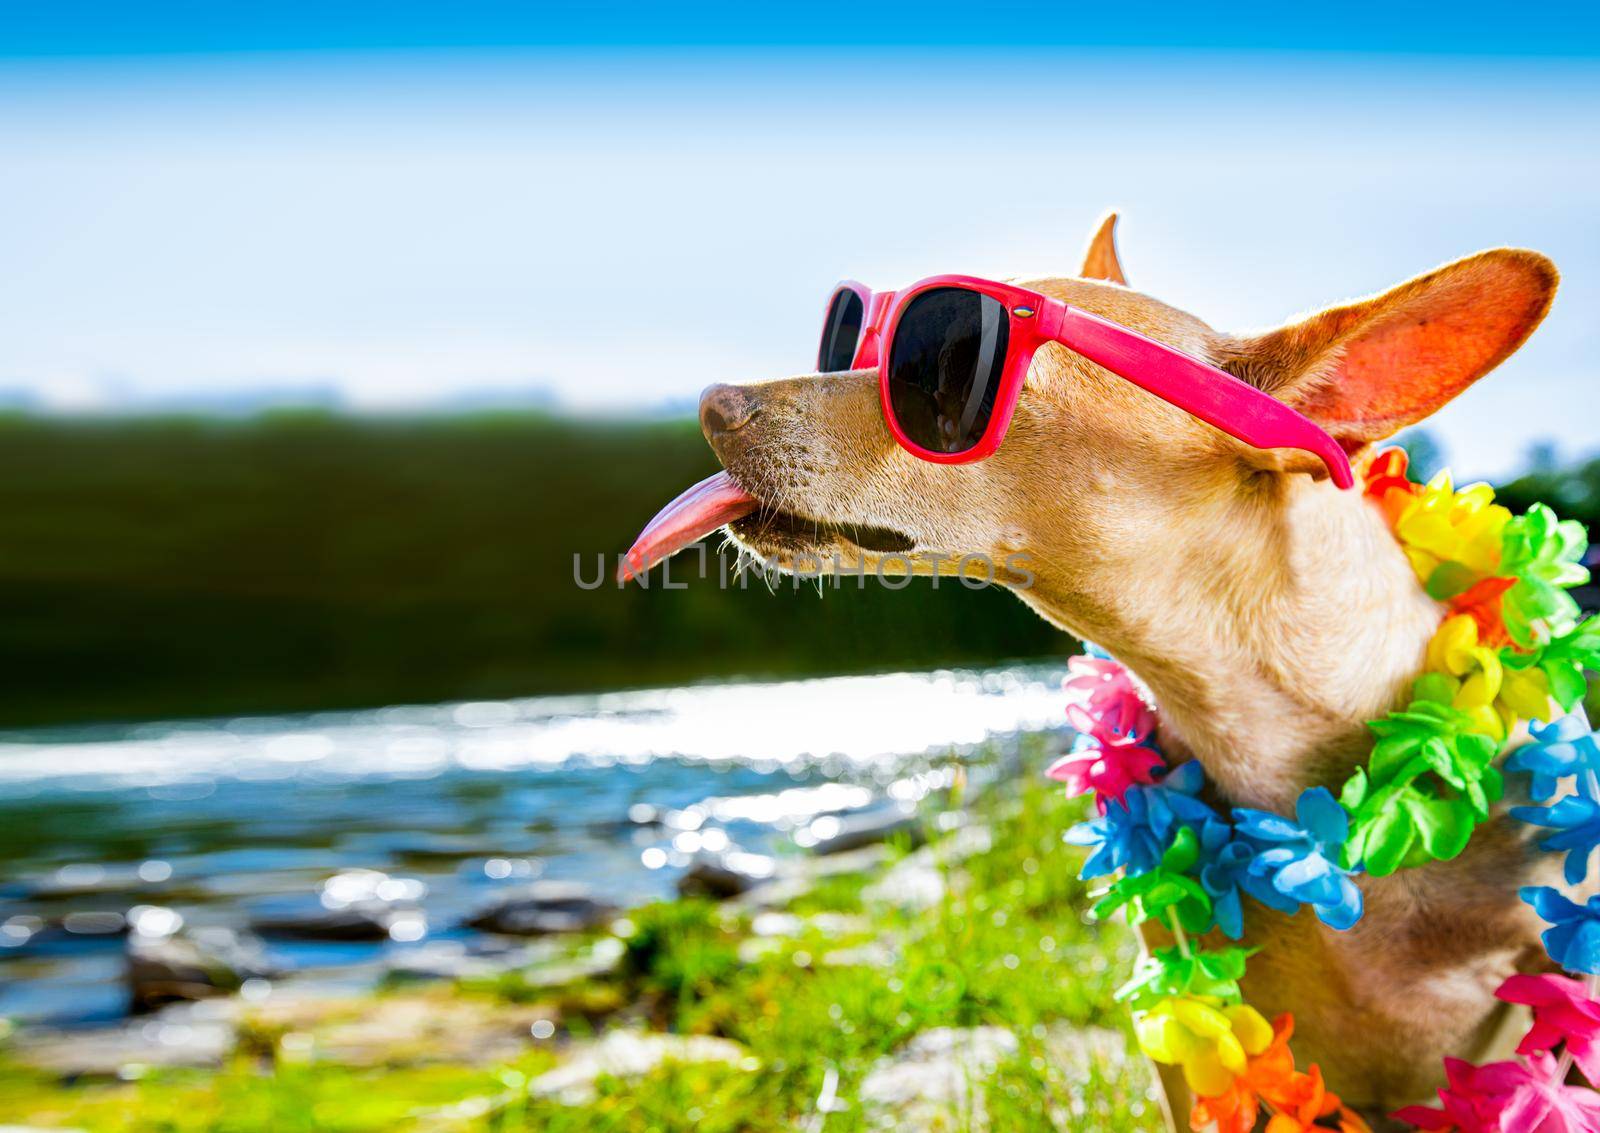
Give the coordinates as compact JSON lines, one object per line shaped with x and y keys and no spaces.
{"x":797,"y":876}
{"x":835,"y":833}
{"x":185,"y":1034}
{"x":104,"y":922}
{"x":630,"y":1054}
{"x":966,"y":842}
{"x":1088,"y":1054}
{"x":833,"y":925}
{"x":772,"y":933}
{"x":474,"y":959}
{"x":728,"y":873}
{"x":754,"y":949}
{"x":862,"y":860}
{"x":917,"y":881}
{"x":543,"y":962}
{"x":777,"y":924}
{"x":444,"y":960}
{"x":935,"y":1081}
{"x":542,"y":965}
{"x":402,"y":1030}
{"x":600,"y":961}
{"x":914,"y":882}
{"x":188,"y":964}
{"x":544,"y":907}
{"x":838,"y":925}
{"x":354,"y":922}
{"x":354,"y":904}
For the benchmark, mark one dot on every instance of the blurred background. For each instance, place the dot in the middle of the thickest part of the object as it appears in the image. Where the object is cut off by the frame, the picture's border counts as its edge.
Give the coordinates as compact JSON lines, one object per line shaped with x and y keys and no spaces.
{"x":333,"y":342}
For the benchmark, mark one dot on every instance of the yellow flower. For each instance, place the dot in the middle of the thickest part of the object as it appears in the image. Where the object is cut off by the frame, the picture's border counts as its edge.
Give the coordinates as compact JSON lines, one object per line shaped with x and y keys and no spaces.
{"x":1440,"y":524}
{"x":1211,"y":1042}
{"x":1494,"y":696}
{"x":1455,"y":651}
{"x":1526,"y":692}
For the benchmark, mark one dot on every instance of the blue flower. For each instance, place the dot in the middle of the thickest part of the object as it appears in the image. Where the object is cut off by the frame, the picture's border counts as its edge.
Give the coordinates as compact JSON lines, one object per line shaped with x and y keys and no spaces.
{"x":1567,"y":746}
{"x":1578,"y":821}
{"x":1573,"y":938}
{"x":1134,"y":833}
{"x":1224,"y":869}
{"x":1301,"y":861}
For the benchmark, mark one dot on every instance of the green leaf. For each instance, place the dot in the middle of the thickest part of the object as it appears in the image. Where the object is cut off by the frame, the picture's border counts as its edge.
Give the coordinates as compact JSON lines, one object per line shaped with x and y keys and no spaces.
{"x":1441,"y":759}
{"x":1494,"y":785}
{"x":1152,"y":895}
{"x":1168,"y":972}
{"x":1567,"y":685}
{"x":1564,"y":659}
{"x":1354,"y":792}
{"x":1533,"y":609}
{"x":1443,"y":826}
{"x":1477,"y":749}
{"x":1538,"y":545}
{"x":1391,"y":836}
{"x":1184,"y":851}
{"x":1355,"y":846}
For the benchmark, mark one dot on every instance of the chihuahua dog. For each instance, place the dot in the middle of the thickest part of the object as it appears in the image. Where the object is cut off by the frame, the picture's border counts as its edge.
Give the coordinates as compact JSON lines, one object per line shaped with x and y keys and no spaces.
{"x":1269,"y":613}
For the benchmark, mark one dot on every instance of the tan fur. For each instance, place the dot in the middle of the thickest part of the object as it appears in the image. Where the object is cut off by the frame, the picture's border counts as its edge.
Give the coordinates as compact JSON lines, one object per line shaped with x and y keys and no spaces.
{"x":1270,"y":614}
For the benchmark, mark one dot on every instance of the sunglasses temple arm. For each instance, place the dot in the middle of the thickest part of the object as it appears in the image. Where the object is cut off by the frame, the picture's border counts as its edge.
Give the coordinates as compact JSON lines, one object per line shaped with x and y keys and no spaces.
{"x":1216,"y":397}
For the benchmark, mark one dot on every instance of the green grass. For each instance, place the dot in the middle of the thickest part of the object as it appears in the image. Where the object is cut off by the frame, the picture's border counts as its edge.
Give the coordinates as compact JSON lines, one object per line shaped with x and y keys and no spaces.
{"x":245,"y":1098}
{"x":1008,"y":947}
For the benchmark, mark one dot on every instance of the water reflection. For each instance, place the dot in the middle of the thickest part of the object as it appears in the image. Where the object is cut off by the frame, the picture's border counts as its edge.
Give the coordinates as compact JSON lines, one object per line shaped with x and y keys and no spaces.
{"x":354,"y":843}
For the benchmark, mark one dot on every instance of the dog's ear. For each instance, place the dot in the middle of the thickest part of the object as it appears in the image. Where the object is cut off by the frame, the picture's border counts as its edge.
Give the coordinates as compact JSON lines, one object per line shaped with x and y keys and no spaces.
{"x":1100,"y":261}
{"x":1367,"y":369}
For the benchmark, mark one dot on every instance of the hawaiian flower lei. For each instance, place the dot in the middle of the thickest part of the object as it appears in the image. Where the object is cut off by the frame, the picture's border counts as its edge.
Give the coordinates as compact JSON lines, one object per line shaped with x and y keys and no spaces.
{"x":1511,"y":648}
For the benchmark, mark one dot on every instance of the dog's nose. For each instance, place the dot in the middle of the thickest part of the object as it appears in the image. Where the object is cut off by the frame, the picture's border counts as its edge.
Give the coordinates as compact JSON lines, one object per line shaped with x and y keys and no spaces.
{"x":724,"y":409}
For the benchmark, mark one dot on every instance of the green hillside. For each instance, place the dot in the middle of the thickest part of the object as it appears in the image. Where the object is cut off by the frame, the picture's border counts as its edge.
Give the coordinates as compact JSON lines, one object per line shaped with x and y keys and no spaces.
{"x":179,"y":567}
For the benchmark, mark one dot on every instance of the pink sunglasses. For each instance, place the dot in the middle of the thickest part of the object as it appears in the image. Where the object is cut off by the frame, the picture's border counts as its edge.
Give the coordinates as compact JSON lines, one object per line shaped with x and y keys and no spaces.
{"x":952,"y":352}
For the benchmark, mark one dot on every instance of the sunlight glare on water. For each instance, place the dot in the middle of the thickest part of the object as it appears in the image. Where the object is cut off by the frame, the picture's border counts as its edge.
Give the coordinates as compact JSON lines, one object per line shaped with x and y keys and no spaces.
{"x":863,"y":721}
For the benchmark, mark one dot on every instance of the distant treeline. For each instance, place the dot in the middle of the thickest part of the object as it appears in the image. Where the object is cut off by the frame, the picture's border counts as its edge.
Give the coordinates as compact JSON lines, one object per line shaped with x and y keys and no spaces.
{"x":183,"y":567}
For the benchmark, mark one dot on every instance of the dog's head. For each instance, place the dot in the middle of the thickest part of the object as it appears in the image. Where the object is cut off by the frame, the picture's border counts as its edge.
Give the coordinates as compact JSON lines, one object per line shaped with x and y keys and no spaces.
{"x":1095,"y":474}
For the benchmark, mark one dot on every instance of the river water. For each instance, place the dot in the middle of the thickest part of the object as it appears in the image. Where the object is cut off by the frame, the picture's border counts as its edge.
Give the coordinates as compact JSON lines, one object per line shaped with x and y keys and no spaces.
{"x":433,"y":810}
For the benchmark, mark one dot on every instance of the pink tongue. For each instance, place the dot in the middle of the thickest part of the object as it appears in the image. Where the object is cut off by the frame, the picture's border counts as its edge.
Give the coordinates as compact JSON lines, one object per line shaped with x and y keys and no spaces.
{"x":710,"y":504}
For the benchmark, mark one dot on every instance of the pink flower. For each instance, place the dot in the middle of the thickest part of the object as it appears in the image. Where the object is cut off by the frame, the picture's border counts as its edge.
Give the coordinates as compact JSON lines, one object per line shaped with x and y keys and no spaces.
{"x":1563,"y":1012}
{"x":1108,"y":771}
{"x":1105,"y":703}
{"x":1522,"y":1096}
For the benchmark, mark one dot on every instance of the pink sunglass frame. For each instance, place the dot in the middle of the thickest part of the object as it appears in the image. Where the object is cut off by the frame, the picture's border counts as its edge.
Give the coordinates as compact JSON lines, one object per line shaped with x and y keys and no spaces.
{"x":1216,"y":397}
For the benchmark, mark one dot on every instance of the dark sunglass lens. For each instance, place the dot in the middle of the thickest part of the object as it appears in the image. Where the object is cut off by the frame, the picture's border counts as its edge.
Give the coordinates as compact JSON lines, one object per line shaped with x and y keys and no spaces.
{"x":841,"y":331}
{"x":944,"y":367}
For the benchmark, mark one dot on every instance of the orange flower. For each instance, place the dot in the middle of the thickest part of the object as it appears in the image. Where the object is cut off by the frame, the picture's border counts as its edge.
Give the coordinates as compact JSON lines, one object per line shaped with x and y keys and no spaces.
{"x":1297,"y":1101}
{"x":1481,"y":603}
{"x":1236,"y":1110}
{"x":1386,"y":482}
{"x":1303,"y":1100}
{"x":1233,"y":1112}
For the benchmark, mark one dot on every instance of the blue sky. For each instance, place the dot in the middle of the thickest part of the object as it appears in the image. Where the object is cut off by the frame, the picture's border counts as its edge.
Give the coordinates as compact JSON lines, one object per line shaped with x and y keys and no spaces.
{"x":403,"y":212}
{"x":1474,"y":27}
